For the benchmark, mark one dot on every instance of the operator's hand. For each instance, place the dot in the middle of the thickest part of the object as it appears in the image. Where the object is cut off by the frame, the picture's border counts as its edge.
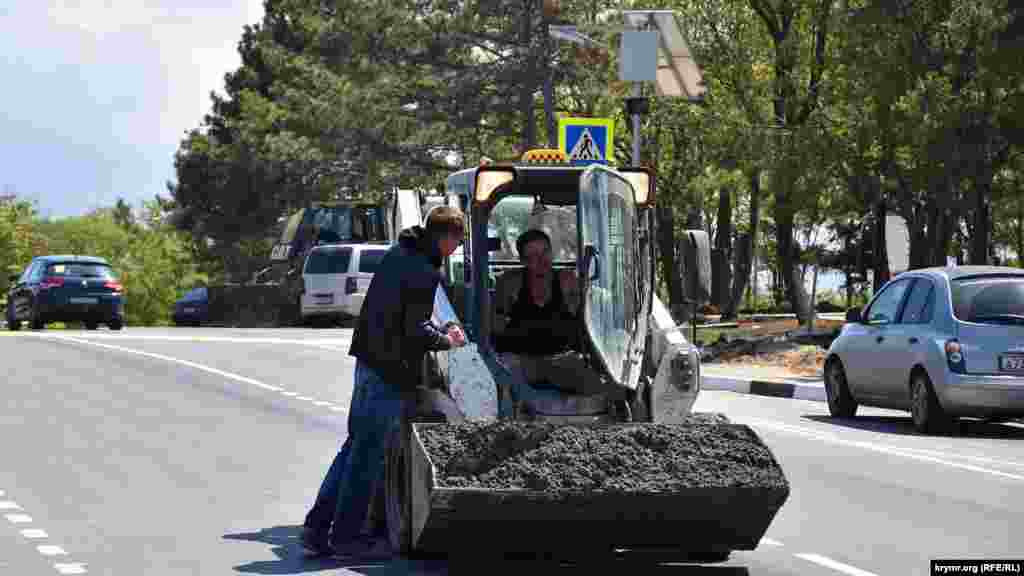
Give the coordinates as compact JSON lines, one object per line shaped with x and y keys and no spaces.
{"x":456,"y":336}
{"x":568,"y":281}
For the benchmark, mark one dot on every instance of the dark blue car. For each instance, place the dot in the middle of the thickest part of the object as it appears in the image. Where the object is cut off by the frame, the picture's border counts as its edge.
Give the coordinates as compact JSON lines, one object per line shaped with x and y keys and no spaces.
{"x":66,"y":288}
{"x":191,"y":309}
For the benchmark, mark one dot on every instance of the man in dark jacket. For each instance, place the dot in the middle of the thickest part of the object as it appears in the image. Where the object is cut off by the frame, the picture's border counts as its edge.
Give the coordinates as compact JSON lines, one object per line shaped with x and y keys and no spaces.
{"x":393,"y":334}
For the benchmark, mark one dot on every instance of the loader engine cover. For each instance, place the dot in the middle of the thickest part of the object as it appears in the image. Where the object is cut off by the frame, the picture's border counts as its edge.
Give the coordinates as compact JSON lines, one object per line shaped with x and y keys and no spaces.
{"x":701,"y":485}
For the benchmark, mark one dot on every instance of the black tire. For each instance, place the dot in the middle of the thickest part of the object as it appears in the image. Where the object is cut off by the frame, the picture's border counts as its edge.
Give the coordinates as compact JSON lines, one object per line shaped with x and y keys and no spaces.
{"x":12,"y":324}
{"x":837,"y":390}
{"x":396,"y":488}
{"x":925,"y":410}
{"x":91,"y":325}
{"x":35,"y":321}
{"x":115,"y":324}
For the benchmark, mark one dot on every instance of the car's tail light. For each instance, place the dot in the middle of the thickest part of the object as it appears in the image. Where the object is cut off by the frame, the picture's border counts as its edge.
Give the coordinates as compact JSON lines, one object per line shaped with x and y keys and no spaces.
{"x":51,"y":282}
{"x":955,"y":356}
{"x":115,"y":286}
{"x":350,"y":285}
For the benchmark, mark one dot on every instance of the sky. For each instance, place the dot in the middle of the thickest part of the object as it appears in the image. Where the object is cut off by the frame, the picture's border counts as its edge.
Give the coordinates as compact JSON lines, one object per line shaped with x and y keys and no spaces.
{"x":97,"y":94}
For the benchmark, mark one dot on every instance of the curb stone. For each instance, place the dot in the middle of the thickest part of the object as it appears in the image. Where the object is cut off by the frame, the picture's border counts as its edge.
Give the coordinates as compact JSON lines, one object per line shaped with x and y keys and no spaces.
{"x":775,"y":388}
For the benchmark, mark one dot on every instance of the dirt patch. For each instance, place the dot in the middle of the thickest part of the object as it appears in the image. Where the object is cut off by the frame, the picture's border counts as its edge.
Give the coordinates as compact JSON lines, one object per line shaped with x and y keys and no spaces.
{"x":801,"y":360}
{"x":702,"y":452}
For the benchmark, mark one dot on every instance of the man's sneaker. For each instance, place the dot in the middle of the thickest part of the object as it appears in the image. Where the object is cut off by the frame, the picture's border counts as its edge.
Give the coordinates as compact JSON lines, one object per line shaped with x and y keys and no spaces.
{"x":314,"y":544}
{"x":364,"y":549}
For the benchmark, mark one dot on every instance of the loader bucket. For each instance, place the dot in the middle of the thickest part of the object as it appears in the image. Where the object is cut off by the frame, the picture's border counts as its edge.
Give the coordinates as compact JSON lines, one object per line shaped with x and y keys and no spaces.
{"x":442,"y":513}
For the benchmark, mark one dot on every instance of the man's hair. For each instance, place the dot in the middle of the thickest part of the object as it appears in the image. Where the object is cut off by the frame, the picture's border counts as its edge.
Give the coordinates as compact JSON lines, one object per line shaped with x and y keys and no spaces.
{"x":446,"y":220}
{"x":531,"y":235}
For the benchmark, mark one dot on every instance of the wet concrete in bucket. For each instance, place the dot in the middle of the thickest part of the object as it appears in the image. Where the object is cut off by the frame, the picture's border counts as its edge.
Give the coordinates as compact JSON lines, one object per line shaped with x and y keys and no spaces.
{"x":703,"y":451}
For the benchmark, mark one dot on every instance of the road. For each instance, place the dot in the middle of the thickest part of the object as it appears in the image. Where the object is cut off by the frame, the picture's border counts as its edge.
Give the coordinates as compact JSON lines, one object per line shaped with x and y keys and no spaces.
{"x":198,"y":451}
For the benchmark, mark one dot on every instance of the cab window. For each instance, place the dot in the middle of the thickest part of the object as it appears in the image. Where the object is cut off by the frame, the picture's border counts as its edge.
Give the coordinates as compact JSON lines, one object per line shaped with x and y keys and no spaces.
{"x":514,"y":215}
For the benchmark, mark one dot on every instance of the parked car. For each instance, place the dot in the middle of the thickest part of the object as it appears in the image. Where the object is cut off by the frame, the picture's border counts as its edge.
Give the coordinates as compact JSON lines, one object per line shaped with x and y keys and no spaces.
{"x":192,"y":308}
{"x":66,"y":288}
{"x":336,"y":277}
{"x":942,"y":343}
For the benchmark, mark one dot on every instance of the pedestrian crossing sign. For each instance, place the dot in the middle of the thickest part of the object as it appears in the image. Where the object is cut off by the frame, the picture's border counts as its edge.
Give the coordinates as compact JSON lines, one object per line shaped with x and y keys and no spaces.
{"x":586,"y":140}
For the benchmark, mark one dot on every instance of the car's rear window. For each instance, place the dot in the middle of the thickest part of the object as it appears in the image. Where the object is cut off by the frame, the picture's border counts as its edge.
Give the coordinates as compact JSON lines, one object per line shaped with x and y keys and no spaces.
{"x":989,"y":299}
{"x":83,"y":270}
{"x":370,"y":259}
{"x":329,"y":261}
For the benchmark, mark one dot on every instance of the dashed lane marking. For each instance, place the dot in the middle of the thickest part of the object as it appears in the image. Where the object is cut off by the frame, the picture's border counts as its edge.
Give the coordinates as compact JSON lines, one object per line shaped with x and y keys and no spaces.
{"x":892,"y":450}
{"x":48,"y":550}
{"x":838,"y":566}
{"x":770,"y":542}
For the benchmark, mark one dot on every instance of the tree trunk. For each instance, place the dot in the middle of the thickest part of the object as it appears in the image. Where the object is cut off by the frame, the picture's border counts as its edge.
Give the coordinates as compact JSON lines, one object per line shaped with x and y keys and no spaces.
{"x":981,"y":235}
{"x":721,"y":281}
{"x":527,"y":90}
{"x":881,"y":256}
{"x":1020,"y":229}
{"x":667,"y":253}
{"x":745,"y":248}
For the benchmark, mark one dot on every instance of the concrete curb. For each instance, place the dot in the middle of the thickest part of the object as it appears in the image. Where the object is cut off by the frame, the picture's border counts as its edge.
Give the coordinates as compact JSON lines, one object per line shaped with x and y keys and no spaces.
{"x":776,"y":388}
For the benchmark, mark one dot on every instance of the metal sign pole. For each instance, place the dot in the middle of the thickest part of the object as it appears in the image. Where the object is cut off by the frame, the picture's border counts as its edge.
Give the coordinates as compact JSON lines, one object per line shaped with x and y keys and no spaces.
{"x":637,"y":94}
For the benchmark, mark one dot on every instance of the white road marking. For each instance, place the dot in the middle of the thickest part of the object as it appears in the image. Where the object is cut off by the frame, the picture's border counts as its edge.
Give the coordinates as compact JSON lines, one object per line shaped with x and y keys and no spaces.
{"x":51,"y":550}
{"x":34,"y":533}
{"x":321,"y":403}
{"x":18,"y":518}
{"x":830,"y":563}
{"x":72,"y":568}
{"x":770,"y":542}
{"x":304,"y":398}
{"x":987,"y":460}
{"x":896,"y":451}
{"x":188,"y":363}
{"x":287,"y":393}
{"x":9,"y":505}
{"x":337,"y":409}
{"x":332,"y":344}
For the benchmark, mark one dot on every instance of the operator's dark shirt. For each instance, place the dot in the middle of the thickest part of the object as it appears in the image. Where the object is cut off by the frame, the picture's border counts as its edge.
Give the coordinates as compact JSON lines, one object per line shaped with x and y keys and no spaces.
{"x":539,"y":330}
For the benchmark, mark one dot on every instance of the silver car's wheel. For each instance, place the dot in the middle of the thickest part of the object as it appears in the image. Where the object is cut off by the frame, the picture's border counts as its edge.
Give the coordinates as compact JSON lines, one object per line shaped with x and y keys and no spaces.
{"x":840,"y":402}
{"x":925,"y":410}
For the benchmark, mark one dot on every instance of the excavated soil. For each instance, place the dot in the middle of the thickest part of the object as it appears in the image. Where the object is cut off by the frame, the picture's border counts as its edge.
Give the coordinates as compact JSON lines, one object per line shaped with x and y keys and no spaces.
{"x":702,"y":452}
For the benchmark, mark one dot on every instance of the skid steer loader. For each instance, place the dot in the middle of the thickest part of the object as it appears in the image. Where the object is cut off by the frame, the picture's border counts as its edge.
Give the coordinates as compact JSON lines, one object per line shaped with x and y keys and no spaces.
{"x":601,"y":223}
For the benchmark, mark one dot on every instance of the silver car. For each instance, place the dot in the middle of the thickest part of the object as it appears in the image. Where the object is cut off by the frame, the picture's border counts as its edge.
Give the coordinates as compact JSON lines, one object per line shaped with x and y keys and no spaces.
{"x":939,"y":342}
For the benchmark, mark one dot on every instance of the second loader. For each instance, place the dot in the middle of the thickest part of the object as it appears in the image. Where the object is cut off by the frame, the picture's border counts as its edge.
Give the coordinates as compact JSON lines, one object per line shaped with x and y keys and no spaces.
{"x":492,"y":463}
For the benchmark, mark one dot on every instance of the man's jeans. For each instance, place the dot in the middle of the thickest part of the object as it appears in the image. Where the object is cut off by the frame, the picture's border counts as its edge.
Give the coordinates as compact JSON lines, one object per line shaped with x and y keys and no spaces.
{"x":356,"y":474}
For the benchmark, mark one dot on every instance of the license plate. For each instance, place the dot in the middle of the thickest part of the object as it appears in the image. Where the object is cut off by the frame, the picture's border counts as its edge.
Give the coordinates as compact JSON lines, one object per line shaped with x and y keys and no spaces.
{"x":1012,"y":363}
{"x":189,"y":310}
{"x":83,"y":300}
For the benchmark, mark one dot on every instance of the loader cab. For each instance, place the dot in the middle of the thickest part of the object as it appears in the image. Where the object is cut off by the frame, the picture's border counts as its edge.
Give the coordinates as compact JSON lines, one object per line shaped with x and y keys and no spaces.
{"x":597,"y":227}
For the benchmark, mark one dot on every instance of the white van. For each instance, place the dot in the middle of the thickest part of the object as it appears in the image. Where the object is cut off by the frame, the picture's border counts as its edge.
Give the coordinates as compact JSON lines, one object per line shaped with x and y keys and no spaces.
{"x":335,"y":279}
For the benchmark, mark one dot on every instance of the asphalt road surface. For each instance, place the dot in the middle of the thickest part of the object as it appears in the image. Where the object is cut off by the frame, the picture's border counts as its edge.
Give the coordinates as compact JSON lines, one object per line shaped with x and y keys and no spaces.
{"x":198,"y":451}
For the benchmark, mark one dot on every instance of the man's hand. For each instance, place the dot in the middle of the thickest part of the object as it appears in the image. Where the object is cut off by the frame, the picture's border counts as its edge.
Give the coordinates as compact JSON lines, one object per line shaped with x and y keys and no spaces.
{"x":456,"y":336}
